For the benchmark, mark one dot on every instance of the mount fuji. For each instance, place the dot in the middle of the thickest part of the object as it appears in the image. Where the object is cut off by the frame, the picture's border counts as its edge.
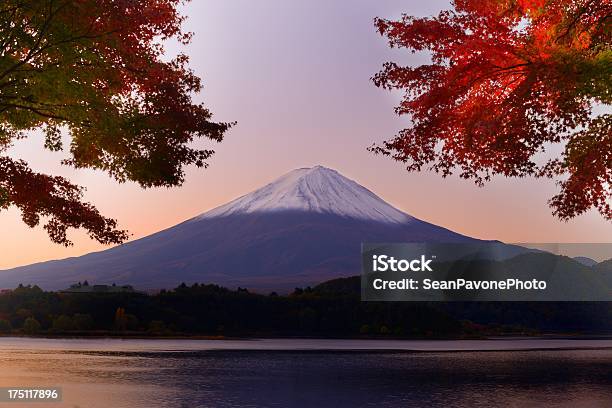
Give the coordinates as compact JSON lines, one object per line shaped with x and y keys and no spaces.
{"x":303,"y":228}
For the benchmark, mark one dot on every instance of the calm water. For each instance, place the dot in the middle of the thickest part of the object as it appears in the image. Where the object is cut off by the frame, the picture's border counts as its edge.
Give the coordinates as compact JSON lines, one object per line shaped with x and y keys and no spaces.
{"x":319,"y":373}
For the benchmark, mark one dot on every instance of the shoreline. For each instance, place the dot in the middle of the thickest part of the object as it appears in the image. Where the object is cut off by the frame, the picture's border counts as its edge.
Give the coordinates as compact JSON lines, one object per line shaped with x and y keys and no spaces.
{"x":194,"y":347}
{"x":136,"y":336}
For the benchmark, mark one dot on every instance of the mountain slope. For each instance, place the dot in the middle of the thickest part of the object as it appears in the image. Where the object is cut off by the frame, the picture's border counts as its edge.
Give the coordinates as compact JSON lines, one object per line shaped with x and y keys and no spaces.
{"x":302,"y":229}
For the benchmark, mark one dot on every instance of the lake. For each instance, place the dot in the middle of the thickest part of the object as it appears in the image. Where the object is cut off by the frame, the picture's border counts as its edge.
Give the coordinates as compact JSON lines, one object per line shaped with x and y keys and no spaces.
{"x":308,"y":372}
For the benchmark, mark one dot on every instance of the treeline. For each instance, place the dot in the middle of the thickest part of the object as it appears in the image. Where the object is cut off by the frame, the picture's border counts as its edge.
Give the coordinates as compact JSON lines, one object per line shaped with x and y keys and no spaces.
{"x":505,"y":317}
{"x":212,"y":310}
{"x":332,"y":309}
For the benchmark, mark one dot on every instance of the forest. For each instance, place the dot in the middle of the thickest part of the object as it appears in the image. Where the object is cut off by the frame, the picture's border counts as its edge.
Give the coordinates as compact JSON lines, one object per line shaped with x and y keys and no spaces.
{"x":331,"y":309}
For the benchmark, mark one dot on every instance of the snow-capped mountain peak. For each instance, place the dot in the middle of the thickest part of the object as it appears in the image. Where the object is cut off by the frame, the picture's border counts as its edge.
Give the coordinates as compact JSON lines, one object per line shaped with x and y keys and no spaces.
{"x":315,"y":189}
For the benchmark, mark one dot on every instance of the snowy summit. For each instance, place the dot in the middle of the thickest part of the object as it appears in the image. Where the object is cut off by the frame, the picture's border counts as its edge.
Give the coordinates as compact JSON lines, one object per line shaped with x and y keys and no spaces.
{"x":316,"y":189}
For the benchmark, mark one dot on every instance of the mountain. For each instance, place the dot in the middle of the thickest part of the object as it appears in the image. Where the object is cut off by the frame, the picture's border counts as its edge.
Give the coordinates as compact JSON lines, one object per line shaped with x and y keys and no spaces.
{"x":302,"y":229}
{"x":586,"y":261}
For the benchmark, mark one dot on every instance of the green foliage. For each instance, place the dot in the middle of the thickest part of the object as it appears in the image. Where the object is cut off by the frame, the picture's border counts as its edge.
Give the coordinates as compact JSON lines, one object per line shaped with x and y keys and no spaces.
{"x":63,"y":323}
{"x":31,"y":326}
{"x":5,"y":326}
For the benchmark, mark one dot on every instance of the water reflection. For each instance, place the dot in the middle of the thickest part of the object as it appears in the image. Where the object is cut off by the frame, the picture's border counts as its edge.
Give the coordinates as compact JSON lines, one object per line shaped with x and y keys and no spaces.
{"x":114,"y":377}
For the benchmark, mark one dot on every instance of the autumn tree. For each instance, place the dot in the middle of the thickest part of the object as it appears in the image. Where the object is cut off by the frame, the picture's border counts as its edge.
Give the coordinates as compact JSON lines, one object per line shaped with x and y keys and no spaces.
{"x":508,"y":79}
{"x":95,"y":70}
{"x":120,"y":319}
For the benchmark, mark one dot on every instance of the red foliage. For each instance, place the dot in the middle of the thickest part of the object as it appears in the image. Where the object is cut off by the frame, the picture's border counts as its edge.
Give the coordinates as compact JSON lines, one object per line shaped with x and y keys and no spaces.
{"x":39,"y":195}
{"x":508,"y":79}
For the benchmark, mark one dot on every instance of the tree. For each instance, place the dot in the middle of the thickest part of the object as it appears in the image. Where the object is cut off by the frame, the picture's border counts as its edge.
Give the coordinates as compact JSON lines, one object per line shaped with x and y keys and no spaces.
{"x":5,"y":326}
{"x":23,"y":314}
{"x":94,"y":69}
{"x":31,"y":326}
{"x":63,"y":323}
{"x":83,"y":321}
{"x":157,"y":326}
{"x":120,"y":319}
{"x":507,"y":80}
{"x":131,"y":322}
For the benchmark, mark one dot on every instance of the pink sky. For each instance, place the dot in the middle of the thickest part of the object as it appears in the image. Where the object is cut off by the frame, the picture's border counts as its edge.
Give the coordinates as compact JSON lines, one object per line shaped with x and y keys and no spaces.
{"x":295,"y":75}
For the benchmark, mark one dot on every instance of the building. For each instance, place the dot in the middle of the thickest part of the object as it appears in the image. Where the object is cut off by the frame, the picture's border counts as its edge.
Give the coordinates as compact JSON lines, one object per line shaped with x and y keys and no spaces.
{"x":87,"y":288}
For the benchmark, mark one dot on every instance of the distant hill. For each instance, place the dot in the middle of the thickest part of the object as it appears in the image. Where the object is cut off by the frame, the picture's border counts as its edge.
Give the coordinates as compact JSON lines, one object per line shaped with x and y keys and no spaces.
{"x":587,"y":317}
{"x":595,"y":280}
{"x":605,"y":269}
{"x":586,"y":261}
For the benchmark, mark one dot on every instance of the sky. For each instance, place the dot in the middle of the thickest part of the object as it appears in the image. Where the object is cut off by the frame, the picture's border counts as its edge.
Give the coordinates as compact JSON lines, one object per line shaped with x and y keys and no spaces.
{"x":295,"y":75}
